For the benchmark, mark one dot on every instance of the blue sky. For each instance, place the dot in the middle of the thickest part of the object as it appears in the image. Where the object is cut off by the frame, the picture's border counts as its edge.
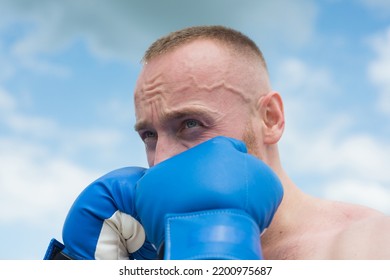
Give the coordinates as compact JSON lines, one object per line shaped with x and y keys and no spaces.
{"x":68,"y":69}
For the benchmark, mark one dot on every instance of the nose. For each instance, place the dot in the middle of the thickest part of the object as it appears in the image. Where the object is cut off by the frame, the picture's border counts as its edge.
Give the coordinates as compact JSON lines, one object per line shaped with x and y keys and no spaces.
{"x":165,"y":149}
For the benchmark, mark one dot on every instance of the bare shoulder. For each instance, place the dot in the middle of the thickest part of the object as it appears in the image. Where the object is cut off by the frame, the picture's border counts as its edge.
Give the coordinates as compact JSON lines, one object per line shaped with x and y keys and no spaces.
{"x":367,"y":237}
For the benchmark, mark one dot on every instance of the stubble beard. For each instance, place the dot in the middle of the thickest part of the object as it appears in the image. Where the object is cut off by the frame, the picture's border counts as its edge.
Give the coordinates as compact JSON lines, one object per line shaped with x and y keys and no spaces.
{"x":250,"y":139}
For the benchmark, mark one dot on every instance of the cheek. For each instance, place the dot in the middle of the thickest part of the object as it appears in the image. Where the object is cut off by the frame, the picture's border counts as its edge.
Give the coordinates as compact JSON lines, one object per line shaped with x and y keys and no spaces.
{"x":235,"y":126}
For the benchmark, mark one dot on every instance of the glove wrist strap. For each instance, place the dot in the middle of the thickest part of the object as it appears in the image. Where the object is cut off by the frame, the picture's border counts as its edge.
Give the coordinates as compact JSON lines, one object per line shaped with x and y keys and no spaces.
{"x":223,"y":234}
{"x":54,"y":251}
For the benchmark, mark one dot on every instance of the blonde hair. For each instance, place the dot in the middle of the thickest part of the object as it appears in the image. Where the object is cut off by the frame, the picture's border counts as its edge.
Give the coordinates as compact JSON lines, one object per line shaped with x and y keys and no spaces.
{"x":235,"y":40}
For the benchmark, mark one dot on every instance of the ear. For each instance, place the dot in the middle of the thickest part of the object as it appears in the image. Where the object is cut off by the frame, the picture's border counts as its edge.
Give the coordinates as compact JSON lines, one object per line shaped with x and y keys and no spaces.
{"x":271,"y":110}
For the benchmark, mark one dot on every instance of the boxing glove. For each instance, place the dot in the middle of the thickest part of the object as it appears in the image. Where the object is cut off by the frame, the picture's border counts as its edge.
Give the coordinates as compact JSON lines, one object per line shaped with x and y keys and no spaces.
{"x":210,"y":202}
{"x":102,"y":223}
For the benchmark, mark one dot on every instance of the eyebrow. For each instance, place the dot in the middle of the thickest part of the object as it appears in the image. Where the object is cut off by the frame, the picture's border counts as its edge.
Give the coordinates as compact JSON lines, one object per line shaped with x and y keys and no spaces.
{"x":179,"y":114}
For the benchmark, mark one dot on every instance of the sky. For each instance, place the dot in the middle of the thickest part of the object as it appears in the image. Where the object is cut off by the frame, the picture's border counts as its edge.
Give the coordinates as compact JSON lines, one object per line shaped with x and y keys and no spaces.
{"x":68,"y":71}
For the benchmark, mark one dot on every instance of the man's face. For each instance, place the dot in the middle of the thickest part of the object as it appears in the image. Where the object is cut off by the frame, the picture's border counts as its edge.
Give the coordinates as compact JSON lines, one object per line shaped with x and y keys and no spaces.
{"x":191,"y":94}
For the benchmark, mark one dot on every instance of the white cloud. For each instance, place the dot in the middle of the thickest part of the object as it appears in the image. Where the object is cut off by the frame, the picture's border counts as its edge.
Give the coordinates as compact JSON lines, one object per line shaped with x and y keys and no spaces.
{"x":7,"y":103}
{"x":361,"y":192}
{"x":378,"y":70}
{"x":32,"y":125}
{"x":67,"y":141}
{"x":296,"y":77}
{"x":123,"y":29}
{"x":326,"y":152}
{"x":21,"y":124}
{"x":325,"y":160}
{"x":321,"y":145}
{"x":307,"y":92}
{"x":36,"y":186}
{"x":35,"y":183}
{"x":380,"y":7}
{"x":40,"y":168}
{"x":7,"y":68}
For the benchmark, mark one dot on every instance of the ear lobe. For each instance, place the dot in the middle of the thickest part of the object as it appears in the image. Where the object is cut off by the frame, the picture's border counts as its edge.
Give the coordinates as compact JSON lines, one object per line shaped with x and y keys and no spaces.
{"x":271,"y":111}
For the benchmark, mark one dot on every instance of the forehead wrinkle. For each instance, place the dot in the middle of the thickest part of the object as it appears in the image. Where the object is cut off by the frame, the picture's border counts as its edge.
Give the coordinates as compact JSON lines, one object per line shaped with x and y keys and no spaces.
{"x":224,"y":85}
{"x":210,"y":79}
{"x":150,"y":88}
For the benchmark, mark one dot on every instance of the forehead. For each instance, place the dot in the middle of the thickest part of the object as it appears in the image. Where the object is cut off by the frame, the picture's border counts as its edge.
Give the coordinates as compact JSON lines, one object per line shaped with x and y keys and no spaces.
{"x":196,"y":58}
{"x":199,"y":65}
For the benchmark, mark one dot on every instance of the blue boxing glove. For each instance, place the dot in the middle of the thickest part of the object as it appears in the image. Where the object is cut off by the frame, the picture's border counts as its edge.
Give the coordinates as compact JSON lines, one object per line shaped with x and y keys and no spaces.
{"x":210,"y":202}
{"x":102,"y":223}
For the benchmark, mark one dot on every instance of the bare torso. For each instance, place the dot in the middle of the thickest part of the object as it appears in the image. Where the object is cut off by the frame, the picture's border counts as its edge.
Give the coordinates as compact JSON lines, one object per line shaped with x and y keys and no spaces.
{"x":319,"y":229}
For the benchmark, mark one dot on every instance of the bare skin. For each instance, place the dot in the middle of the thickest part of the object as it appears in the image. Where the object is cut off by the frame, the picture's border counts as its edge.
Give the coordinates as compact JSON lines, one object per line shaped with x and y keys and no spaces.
{"x":200,"y":90}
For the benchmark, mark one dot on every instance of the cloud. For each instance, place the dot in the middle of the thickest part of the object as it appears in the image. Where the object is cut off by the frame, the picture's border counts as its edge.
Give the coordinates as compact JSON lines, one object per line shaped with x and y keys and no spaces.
{"x":36,"y":182}
{"x":36,"y":186}
{"x":308,"y":92}
{"x":378,"y":69}
{"x":327,"y":153}
{"x":123,"y":29}
{"x":7,"y":68}
{"x":299,"y":78}
{"x":366,"y":193}
{"x":44,"y":166}
{"x":380,"y":7}
{"x":321,"y":148}
{"x":7,"y":103}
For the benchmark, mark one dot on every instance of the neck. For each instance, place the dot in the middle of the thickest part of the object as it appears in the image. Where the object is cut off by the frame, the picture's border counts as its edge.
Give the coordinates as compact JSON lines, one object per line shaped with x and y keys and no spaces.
{"x":290,"y":210}
{"x":292,"y":207}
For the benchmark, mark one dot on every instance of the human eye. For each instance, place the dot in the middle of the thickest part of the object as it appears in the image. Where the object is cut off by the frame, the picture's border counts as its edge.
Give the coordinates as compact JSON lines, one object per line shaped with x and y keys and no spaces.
{"x":148,"y":135}
{"x":190,"y":129}
{"x":191,"y":123}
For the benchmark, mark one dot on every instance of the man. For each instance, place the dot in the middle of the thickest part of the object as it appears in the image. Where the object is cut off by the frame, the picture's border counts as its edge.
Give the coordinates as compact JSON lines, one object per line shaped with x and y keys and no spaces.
{"x":196,"y":84}
{"x":202,"y":82}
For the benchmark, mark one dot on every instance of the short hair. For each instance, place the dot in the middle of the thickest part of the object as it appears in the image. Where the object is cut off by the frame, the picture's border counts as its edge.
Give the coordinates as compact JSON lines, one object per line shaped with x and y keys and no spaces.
{"x":234,"y":39}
